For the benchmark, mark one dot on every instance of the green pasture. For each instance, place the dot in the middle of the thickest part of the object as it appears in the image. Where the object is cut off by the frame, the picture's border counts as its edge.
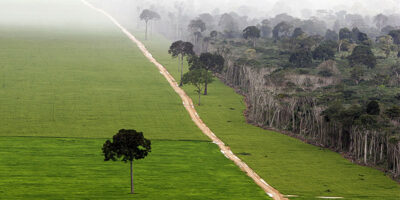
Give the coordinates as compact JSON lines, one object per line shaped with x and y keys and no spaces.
{"x":71,"y":168}
{"x":69,"y":80}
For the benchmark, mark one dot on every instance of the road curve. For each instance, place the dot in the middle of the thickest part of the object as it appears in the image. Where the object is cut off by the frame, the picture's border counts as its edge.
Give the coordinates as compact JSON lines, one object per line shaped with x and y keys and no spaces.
{"x":188,"y":103}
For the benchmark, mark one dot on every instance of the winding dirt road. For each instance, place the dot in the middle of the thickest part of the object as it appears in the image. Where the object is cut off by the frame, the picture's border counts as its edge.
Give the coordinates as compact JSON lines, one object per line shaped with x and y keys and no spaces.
{"x":187,"y":102}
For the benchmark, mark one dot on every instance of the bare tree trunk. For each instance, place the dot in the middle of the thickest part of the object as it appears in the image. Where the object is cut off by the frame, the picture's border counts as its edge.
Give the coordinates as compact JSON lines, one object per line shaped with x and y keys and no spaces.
{"x":199,"y":98}
{"x":145,"y":36}
{"x":181,"y":83}
{"x":365,"y":147}
{"x":206,"y":84}
{"x":132,"y":190}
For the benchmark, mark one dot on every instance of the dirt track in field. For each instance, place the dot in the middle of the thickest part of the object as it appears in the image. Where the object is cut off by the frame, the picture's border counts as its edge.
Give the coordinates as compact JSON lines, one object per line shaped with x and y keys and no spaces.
{"x":188,"y":103}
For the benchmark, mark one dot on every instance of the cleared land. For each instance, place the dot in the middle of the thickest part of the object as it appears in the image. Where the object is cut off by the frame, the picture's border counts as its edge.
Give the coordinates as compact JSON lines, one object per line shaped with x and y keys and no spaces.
{"x":289,"y":165}
{"x":68,"y":82}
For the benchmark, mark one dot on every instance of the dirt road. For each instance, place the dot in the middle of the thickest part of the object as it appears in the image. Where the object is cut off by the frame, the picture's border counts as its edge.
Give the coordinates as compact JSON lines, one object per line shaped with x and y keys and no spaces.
{"x":187,"y":102}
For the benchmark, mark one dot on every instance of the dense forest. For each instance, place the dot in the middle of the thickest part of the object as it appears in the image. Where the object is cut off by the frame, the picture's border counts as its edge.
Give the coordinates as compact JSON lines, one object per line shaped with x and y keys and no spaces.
{"x":331,"y":79}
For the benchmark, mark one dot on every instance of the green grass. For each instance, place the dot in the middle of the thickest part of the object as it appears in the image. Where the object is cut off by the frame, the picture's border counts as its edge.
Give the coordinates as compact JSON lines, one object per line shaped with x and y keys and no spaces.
{"x":69,"y":79}
{"x":288,"y":164}
{"x":69,"y":168}
{"x":87,"y":85}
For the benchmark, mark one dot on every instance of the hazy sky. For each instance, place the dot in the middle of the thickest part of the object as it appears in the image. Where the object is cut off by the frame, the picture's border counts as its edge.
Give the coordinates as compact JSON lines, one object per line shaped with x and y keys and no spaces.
{"x":294,"y":7}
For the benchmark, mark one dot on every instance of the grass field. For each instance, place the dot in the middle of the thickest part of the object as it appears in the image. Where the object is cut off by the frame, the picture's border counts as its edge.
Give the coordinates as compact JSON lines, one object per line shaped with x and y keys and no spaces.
{"x":289,"y":165}
{"x":69,"y":168}
{"x":69,"y":79}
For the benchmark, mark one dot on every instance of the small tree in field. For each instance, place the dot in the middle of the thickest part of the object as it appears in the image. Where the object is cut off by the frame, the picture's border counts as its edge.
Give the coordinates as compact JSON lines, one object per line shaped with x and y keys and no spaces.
{"x":182,"y":49}
{"x":148,"y":15}
{"x":129,"y":145}
{"x":210,"y":62}
{"x":198,"y":78}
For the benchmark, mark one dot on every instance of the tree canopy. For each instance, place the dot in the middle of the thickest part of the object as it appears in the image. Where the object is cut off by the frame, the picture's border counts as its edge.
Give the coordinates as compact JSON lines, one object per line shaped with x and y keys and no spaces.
{"x":362,"y":54}
{"x":395,"y":35}
{"x":281,"y":30}
{"x":325,"y":51}
{"x":127,"y":145}
{"x":301,"y":58}
{"x":251,"y":32}
{"x":198,"y":78}
{"x":182,"y":49}
{"x":148,"y":15}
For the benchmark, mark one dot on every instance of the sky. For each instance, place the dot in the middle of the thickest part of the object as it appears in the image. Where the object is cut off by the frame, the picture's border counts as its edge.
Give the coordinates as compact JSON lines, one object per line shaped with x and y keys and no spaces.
{"x":294,"y":7}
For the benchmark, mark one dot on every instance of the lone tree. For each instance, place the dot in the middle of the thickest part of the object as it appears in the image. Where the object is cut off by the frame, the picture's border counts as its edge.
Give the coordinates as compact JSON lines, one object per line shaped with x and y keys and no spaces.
{"x":198,"y":78}
{"x":182,"y":49}
{"x":148,"y":15}
{"x":210,"y":62}
{"x":252,"y":32}
{"x":129,"y":145}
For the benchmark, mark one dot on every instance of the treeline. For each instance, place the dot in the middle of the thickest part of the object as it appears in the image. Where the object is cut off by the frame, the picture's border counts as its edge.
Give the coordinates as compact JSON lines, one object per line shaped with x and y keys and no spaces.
{"x":317,"y":102}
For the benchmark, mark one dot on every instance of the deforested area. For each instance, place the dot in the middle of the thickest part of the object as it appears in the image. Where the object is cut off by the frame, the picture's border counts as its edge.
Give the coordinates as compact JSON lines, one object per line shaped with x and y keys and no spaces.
{"x":326,"y":75}
{"x":200,"y":99}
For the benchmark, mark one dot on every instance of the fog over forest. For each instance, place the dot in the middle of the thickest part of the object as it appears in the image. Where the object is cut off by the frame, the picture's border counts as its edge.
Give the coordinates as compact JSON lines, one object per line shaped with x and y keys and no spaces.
{"x":297,"y":8}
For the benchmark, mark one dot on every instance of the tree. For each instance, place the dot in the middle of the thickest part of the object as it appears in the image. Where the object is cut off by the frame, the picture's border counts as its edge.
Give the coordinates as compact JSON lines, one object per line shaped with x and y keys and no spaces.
{"x":297,"y":32}
{"x":362,"y":54}
{"x":251,"y":32}
{"x":344,"y":33}
{"x":357,"y":36}
{"x":344,"y":37}
{"x":265,"y":28}
{"x":228,"y":25}
{"x":197,"y":27}
{"x":380,"y":21}
{"x":324,"y":51}
{"x":357,"y":74}
{"x":281,"y":30}
{"x":210,"y":62}
{"x":386,"y":44}
{"x":198,"y":78}
{"x":148,"y":15}
{"x":393,"y":112}
{"x":182,"y":49}
{"x":129,"y":145}
{"x":373,"y":108}
{"x":387,"y":29}
{"x":209,"y":20}
{"x":396,"y":36}
{"x":313,"y":26}
{"x":301,"y":58}
{"x":331,"y":35}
